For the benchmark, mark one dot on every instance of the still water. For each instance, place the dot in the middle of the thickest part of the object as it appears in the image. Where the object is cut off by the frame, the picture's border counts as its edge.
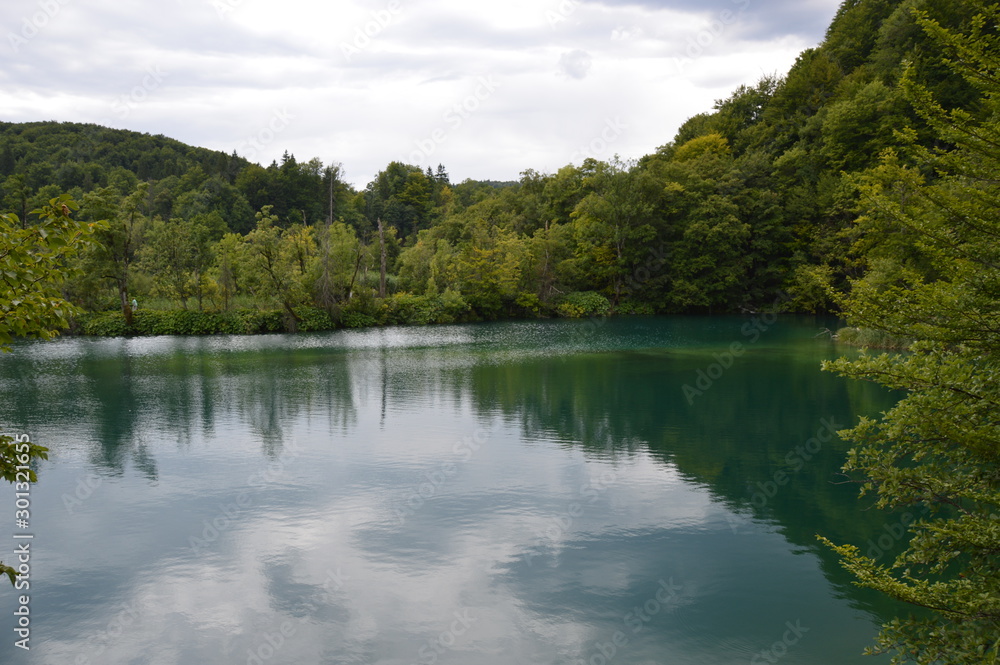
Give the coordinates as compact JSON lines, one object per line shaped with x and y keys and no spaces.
{"x":514,"y":493}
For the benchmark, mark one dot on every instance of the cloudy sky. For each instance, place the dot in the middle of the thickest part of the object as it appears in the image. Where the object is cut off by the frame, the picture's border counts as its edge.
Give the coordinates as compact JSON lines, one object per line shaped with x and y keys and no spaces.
{"x":487,"y":89}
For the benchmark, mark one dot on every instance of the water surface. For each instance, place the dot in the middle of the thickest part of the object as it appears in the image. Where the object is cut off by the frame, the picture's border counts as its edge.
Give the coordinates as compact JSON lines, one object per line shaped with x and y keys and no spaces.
{"x":534,"y":493}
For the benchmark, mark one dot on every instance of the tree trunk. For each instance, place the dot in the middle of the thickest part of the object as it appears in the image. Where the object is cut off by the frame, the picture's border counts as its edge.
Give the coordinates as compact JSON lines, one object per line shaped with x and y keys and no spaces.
{"x":329,"y":219}
{"x":126,"y":305}
{"x":381,"y":274}
{"x":357,"y":267}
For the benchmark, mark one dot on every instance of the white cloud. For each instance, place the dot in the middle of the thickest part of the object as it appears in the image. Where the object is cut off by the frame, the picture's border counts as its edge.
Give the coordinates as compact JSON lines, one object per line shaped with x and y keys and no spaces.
{"x":369,"y":81}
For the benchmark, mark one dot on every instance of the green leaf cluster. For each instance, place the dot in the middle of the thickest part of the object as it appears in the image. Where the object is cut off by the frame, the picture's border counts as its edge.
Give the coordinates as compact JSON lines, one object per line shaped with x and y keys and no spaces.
{"x":33,"y":264}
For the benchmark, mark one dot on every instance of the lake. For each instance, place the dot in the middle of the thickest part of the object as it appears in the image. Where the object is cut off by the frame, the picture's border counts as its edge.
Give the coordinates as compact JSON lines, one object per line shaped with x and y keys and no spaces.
{"x":629,"y":491}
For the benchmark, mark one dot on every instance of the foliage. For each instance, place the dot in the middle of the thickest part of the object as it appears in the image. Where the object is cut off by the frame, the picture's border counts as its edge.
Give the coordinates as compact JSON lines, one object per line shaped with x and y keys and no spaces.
{"x":313,"y":319}
{"x":32,"y":267}
{"x":582,"y":304}
{"x":939,"y":448}
{"x":811,"y":288}
{"x":357,"y":320}
{"x":111,"y":258}
{"x":628,"y":308}
{"x":189,"y":322}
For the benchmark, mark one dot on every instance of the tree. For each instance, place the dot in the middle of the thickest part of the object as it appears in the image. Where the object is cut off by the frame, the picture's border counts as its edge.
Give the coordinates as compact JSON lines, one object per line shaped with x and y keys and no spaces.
{"x":937,"y":453}
{"x":230,"y":267}
{"x":178,"y":254}
{"x":119,"y":240}
{"x":334,"y":269}
{"x":278,"y":261}
{"x":488,"y":268}
{"x":32,"y":267}
{"x":613,"y":226}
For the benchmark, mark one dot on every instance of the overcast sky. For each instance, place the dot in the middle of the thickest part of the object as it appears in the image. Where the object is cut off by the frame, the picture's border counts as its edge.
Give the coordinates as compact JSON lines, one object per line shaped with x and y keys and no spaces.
{"x":489,"y":89}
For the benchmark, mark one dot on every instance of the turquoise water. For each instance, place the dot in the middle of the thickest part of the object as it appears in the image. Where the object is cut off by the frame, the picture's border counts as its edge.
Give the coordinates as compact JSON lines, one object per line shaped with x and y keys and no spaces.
{"x":522,"y":493}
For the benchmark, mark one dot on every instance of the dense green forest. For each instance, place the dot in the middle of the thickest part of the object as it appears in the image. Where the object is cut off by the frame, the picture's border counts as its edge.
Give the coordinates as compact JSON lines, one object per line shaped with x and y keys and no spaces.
{"x":752,"y":202}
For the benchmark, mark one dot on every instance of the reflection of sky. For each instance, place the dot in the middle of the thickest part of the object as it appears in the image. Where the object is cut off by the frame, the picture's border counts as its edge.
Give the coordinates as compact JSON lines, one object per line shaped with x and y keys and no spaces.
{"x":546,"y":548}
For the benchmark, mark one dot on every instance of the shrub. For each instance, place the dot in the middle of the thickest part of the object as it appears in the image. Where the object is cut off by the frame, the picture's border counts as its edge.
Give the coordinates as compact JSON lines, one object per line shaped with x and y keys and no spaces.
{"x":629,"y":308}
{"x":313,"y":319}
{"x":253,"y":322}
{"x":104,"y":324}
{"x":583,"y":303}
{"x":408,"y":309}
{"x":529,"y":303}
{"x":452,"y":307}
{"x":357,"y":320}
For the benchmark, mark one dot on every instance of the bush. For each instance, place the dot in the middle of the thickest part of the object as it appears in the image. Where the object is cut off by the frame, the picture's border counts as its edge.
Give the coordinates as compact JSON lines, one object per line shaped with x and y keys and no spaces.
{"x":104,"y":324}
{"x":357,"y":320}
{"x":188,"y":322}
{"x":313,"y":319}
{"x":629,"y":308}
{"x":580,"y":304}
{"x":255,"y":322}
{"x":408,"y":309}
{"x":529,"y":304}
{"x":452,"y":307}
{"x":177,"y":322}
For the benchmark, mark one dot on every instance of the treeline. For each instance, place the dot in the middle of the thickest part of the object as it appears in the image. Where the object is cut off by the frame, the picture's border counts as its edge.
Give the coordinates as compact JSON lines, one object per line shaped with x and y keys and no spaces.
{"x":754,"y":201}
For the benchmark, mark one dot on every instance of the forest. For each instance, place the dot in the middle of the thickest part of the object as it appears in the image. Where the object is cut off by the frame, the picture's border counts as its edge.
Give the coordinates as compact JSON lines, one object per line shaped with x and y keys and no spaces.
{"x":753,"y":201}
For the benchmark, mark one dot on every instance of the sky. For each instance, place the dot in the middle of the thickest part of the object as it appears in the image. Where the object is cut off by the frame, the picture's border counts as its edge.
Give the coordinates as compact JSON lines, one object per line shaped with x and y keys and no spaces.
{"x":487,"y":89}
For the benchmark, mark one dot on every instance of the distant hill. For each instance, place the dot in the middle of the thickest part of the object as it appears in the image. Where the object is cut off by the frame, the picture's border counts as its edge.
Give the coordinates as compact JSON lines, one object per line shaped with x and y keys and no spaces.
{"x":68,"y":151}
{"x":39,"y":160}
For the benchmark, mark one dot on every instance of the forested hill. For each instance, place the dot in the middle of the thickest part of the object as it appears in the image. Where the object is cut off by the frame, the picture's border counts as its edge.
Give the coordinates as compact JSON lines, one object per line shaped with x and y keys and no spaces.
{"x":752,"y":201}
